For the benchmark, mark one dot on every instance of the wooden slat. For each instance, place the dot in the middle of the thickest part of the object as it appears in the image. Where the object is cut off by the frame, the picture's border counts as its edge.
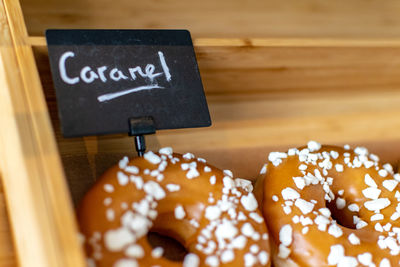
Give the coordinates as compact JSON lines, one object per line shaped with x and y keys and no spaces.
{"x":272,"y":42}
{"x":296,"y":70}
{"x":294,"y":42}
{"x":223,"y":18}
{"x":7,"y":254}
{"x":40,"y":210}
{"x":257,"y":122}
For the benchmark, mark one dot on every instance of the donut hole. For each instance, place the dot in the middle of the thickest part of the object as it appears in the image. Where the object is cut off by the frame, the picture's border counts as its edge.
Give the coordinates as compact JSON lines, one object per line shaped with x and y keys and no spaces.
{"x":343,"y":216}
{"x":173,"y":249}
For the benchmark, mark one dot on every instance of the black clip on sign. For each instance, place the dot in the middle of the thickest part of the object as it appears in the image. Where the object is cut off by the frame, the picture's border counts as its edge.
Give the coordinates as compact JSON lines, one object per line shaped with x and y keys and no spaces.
{"x":138,"y":127}
{"x":106,"y":78}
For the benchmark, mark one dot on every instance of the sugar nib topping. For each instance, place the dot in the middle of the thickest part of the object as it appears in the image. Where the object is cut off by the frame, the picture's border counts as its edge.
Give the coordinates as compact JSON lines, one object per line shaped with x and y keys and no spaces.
{"x":231,"y":215}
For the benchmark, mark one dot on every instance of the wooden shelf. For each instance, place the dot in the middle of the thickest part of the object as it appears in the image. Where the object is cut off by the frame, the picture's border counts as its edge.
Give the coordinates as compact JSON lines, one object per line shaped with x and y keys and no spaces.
{"x":271,"y":42}
{"x":338,"y":19}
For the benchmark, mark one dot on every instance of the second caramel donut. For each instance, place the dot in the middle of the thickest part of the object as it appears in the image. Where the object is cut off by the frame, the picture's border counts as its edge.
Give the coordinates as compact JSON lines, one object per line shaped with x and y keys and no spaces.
{"x":331,"y":206}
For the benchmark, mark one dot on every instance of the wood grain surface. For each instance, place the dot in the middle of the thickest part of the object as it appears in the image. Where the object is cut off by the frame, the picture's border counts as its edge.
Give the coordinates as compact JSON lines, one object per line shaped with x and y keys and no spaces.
{"x":7,"y":249}
{"x":38,"y":201}
{"x":7,"y":253}
{"x":223,"y":18}
{"x":276,"y":74}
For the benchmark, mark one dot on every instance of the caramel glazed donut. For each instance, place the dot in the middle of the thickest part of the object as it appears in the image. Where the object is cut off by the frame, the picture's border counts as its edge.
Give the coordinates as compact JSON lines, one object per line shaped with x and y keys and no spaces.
{"x":331,"y":206}
{"x":213,"y":215}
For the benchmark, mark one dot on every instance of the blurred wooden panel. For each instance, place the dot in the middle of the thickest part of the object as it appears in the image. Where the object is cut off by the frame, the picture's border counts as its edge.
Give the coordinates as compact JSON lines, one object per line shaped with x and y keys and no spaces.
{"x":267,"y":69}
{"x":263,"y":99}
{"x":270,"y":70}
{"x":223,"y":18}
{"x":38,"y":201}
{"x":7,"y":254}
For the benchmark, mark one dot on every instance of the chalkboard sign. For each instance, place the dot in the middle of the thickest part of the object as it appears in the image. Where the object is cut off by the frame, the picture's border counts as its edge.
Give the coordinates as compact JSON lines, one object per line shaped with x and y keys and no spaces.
{"x":105,"y":77}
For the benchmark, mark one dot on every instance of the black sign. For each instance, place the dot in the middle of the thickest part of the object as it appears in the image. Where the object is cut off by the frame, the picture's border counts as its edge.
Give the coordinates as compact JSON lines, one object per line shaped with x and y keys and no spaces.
{"x":105,"y":77}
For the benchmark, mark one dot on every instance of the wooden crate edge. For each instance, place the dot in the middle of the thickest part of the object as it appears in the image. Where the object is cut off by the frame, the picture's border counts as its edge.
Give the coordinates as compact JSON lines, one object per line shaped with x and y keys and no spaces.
{"x":46,"y":234}
{"x":271,"y":42}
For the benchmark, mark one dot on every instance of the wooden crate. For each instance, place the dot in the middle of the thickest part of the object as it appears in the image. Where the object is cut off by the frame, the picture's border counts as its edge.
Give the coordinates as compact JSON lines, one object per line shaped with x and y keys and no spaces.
{"x":276,"y":75}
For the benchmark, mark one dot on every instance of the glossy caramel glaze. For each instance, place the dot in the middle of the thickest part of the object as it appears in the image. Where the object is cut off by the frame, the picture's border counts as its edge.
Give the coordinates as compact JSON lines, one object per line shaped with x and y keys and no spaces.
{"x":330,"y":206}
{"x":213,"y":215}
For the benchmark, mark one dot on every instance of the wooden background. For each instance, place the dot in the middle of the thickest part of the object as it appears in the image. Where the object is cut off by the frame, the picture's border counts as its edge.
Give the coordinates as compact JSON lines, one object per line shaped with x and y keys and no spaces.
{"x":276,"y":74}
{"x":266,"y":98}
{"x":7,"y":254}
{"x":224,"y":18}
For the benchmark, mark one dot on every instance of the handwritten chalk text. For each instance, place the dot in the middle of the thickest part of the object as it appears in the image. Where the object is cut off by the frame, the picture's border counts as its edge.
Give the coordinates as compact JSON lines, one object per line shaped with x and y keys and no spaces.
{"x":103,"y":73}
